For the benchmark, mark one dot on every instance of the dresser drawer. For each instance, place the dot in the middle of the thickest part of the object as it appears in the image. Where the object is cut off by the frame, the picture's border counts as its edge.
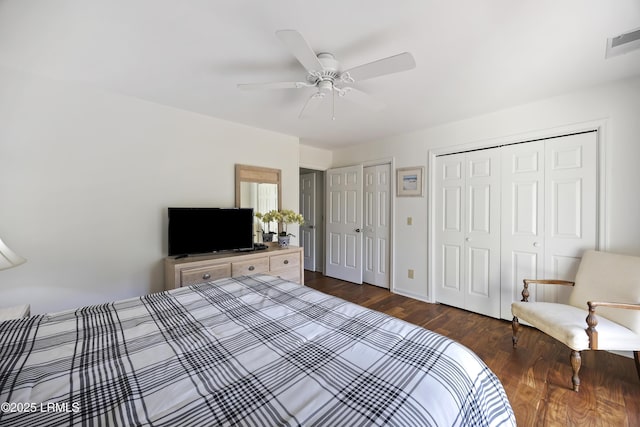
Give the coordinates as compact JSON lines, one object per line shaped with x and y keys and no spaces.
{"x":286,"y":266}
{"x":193,"y":276}
{"x":277,"y":262}
{"x":291,"y":274}
{"x":245,"y":268}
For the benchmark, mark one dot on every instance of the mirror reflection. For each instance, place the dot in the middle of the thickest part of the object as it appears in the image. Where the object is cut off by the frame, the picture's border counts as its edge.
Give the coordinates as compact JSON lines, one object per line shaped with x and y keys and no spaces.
{"x":262,"y":197}
{"x":259,"y":188}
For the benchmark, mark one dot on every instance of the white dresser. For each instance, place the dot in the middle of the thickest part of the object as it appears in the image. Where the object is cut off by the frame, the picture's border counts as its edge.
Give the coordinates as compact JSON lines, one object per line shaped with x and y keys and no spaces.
{"x":274,"y":261}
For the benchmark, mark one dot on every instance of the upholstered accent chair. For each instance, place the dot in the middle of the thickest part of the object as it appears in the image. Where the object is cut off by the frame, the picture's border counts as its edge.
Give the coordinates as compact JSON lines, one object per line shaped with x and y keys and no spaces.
{"x":607,"y":282}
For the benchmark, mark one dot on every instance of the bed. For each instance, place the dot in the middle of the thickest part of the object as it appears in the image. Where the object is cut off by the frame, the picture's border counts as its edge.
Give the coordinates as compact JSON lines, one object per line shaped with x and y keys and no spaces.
{"x":254,"y":350}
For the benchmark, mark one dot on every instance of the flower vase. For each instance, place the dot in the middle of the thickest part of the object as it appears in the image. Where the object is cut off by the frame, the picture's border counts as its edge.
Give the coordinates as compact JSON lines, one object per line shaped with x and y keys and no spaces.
{"x":283,"y":241}
{"x":267,"y":237}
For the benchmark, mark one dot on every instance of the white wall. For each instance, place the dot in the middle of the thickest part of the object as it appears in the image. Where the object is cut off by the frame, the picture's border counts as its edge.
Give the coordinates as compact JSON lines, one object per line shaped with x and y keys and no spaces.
{"x":315,"y":158}
{"x":616,"y":105}
{"x":86,"y":177}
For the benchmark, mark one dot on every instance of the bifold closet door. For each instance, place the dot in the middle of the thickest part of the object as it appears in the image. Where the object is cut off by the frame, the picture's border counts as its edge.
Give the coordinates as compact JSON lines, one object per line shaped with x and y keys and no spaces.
{"x":523,"y":239}
{"x":549,"y":214}
{"x":467,"y":267}
{"x":571,"y":194}
{"x":505,"y":214}
{"x":449,"y":230}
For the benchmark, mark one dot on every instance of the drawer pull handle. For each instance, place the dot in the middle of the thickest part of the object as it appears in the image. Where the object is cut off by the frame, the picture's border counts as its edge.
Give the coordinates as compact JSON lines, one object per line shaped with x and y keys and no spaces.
{"x":206,"y":276}
{"x":286,"y":261}
{"x":251,"y":268}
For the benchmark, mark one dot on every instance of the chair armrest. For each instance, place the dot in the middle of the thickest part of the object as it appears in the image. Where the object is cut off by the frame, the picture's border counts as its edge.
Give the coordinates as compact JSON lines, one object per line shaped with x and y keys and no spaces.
{"x":595,"y":304}
{"x":592,"y":320}
{"x":525,"y":291}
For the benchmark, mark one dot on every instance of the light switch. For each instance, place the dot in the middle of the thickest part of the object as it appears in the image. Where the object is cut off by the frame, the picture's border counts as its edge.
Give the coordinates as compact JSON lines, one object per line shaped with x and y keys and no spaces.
{"x":409,"y":220}
{"x":410,"y":274}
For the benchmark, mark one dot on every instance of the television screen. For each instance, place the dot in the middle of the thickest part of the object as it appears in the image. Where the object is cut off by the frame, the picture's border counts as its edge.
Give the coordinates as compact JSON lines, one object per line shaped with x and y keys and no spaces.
{"x":203,"y":230}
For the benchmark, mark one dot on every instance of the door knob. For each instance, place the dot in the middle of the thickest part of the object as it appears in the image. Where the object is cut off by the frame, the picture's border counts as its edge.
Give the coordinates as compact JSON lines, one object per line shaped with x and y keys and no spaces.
{"x":468,"y":239}
{"x":536,"y":244}
{"x":358,"y":230}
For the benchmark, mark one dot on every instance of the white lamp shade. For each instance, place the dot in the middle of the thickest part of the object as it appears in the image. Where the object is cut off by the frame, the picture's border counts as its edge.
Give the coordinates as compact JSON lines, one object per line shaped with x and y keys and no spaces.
{"x":8,"y":258}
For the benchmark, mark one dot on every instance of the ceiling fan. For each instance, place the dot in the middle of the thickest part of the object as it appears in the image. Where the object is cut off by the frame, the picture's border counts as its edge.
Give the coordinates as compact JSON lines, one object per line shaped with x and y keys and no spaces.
{"x":326,"y":77}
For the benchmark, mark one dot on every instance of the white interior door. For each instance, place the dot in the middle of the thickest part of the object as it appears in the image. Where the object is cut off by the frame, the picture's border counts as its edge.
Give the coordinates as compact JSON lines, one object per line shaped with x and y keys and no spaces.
{"x":308,"y":211}
{"x":376,"y":229}
{"x":344,"y":223}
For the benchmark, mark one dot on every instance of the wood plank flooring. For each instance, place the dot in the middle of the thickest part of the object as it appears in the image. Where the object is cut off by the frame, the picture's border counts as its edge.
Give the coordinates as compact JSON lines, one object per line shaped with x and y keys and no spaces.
{"x":536,"y":376}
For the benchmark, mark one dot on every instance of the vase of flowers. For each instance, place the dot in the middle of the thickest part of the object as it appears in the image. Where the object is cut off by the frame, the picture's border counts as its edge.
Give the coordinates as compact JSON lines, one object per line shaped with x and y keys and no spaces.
{"x":267,"y":219}
{"x":268,"y":237}
{"x":283,"y":218}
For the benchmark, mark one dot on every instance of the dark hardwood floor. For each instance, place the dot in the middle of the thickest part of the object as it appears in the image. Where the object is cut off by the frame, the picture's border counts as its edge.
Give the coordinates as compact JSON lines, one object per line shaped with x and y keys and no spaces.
{"x":536,"y":375}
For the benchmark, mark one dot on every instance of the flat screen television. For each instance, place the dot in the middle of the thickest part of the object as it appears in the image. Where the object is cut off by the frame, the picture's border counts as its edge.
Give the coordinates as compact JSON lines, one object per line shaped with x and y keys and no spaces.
{"x":203,"y":230}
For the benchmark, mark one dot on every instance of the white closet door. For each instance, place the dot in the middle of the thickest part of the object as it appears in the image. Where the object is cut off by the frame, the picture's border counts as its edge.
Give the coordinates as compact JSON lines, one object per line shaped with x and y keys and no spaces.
{"x":570,"y":208}
{"x":344,"y":223}
{"x":522,"y":219}
{"x":549,"y":214}
{"x":449,"y":231}
{"x":505,"y":214}
{"x":482,"y":237}
{"x":376,"y":230}
{"x":467,"y":259}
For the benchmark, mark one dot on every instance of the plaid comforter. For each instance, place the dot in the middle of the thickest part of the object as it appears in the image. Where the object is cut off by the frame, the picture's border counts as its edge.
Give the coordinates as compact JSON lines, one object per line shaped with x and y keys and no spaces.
{"x":247,"y":351}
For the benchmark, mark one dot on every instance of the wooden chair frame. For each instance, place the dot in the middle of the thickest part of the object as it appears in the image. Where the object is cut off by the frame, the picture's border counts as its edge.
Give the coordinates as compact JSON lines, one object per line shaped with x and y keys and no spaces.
{"x":591,"y":322}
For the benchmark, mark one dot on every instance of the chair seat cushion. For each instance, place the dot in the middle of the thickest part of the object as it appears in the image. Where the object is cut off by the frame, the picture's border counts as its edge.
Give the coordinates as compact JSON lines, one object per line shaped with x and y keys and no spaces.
{"x":568,"y":325}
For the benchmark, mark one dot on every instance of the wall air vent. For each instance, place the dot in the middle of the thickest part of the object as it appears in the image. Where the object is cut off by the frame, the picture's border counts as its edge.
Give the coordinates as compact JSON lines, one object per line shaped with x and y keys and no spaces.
{"x":623,"y":43}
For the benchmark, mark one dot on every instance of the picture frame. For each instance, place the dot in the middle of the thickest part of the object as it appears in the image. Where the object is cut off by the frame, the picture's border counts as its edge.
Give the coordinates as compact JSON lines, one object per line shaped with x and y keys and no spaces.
{"x":409,"y":181}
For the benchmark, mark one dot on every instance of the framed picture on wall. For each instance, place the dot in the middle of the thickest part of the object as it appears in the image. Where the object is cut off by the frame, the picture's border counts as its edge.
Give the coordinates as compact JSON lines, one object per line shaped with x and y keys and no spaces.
{"x":409,"y":181}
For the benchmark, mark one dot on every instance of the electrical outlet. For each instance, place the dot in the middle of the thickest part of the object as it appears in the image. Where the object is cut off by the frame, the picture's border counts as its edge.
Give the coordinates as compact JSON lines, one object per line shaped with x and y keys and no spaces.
{"x":410,"y":274}
{"x":409,"y":220}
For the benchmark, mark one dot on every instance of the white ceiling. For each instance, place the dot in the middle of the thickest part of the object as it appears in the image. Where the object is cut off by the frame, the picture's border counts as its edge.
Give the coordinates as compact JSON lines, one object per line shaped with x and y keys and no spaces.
{"x":472,"y":56}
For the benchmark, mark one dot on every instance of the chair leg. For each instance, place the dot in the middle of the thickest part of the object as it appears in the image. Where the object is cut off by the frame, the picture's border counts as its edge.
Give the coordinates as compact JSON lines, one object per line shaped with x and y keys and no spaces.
{"x":515,"y":325}
{"x":636,"y":356}
{"x":576,"y":361}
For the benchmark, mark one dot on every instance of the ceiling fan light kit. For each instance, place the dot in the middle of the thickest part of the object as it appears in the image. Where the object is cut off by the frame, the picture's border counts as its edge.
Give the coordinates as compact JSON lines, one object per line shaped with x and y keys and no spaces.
{"x":323,"y":74}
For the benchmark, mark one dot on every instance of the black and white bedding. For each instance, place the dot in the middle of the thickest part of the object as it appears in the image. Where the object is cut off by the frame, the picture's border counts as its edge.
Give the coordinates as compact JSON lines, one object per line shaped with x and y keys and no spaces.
{"x":255,"y":350}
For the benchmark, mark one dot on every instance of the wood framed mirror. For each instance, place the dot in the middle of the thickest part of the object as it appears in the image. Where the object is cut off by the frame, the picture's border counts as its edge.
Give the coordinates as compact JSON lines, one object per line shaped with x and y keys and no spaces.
{"x":259,"y":188}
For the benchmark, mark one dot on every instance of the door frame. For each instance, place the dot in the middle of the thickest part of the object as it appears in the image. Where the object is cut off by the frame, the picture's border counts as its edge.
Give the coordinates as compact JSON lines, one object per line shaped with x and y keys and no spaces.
{"x":602,"y":166}
{"x":320,"y":214}
{"x":309,"y":259}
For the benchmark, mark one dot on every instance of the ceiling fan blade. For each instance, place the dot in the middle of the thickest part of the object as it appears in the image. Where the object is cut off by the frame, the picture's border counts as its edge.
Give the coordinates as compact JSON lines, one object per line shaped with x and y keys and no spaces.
{"x":393,"y":64}
{"x":359,"y":97}
{"x":275,"y":85}
{"x":300,"y":49}
{"x":311,"y":105}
